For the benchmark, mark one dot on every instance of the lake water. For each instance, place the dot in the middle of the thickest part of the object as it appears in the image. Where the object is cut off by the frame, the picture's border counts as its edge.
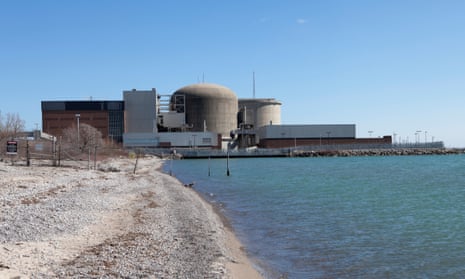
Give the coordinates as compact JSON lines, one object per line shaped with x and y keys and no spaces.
{"x":351,"y":217}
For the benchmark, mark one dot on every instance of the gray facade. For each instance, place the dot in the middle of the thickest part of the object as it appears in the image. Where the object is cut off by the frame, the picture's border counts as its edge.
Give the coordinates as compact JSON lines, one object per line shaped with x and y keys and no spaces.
{"x":346,"y":131}
{"x":140,"y":111}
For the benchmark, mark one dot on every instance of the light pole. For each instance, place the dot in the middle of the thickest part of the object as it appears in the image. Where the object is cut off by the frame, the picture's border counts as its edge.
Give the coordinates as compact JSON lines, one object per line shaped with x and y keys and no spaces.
{"x":78,"y":115}
{"x":370,"y":132}
{"x":418,"y":132}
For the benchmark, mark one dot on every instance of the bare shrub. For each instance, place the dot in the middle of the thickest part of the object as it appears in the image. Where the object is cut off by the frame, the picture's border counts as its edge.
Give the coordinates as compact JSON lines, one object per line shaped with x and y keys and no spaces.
{"x":82,"y":139}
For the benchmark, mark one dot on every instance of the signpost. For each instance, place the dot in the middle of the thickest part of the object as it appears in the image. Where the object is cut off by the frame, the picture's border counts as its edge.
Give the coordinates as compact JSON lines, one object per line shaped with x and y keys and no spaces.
{"x":12,"y":147}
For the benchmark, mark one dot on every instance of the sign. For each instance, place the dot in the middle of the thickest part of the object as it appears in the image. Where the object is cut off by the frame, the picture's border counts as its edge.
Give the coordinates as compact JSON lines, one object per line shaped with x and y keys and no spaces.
{"x":12,"y":147}
{"x":39,"y":147}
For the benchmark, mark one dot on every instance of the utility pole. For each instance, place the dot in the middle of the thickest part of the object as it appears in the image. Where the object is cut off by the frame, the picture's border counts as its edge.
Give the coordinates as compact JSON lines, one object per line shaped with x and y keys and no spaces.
{"x":78,"y":115}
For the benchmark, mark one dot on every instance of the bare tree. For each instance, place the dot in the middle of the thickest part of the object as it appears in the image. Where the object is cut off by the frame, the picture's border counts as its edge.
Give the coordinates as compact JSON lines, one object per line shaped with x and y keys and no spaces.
{"x":14,"y":123}
{"x":88,"y":137}
{"x":11,"y":126}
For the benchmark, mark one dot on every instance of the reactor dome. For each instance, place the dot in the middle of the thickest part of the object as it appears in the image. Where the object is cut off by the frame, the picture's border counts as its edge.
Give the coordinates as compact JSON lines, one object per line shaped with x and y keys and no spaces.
{"x":209,"y":107}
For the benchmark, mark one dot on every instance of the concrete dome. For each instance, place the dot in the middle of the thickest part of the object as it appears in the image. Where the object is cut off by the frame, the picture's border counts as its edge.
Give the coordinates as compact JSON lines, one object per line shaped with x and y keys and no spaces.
{"x":210,"y":104}
{"x":207,"y":90}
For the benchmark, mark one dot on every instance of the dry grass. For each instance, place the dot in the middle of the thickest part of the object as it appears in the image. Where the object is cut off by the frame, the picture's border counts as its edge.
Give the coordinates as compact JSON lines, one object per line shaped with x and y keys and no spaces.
{"x":29,"y":201}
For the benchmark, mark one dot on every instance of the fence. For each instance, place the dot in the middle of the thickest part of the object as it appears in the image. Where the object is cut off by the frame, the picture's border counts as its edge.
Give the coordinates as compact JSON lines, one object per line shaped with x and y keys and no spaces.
{"x":52,"y":153}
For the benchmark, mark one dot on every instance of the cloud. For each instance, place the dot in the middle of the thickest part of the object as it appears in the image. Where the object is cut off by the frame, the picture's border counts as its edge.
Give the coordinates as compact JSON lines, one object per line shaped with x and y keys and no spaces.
{"x":301,"y":21}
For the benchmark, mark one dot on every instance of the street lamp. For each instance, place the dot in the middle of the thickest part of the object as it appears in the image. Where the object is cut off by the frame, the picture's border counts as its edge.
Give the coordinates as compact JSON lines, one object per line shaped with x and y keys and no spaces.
{"x":78,"y":115}
{"x":418,"y":132}
{"x":426,"y":139}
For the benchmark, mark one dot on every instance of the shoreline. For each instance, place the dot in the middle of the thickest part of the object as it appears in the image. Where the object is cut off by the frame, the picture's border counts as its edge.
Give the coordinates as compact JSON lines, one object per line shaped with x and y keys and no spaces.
{"x":306,"y":151}
{"x":240,"y":265}
{"x":69,"y":222}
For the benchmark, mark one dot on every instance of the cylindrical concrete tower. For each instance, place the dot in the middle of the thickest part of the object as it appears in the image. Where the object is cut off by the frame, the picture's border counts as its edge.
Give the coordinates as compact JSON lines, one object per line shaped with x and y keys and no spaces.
{"x":209,"y":105}
{"x":259,"y":112}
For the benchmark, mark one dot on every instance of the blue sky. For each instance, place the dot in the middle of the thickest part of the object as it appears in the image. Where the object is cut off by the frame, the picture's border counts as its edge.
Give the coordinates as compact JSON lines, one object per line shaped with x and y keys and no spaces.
{"x":386,"y":66}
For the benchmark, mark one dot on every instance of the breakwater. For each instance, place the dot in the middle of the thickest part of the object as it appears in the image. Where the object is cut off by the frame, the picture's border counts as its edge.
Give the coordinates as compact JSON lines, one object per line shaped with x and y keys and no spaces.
{"x":299,"y":152}
{"x":377,"y":152}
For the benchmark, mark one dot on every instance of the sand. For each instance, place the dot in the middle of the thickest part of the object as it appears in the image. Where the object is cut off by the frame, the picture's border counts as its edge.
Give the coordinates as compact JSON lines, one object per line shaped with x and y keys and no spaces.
{"x":111,"y":223}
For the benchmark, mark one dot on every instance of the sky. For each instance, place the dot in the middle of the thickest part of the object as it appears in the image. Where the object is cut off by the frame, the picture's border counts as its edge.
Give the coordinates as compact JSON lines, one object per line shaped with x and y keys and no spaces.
{"x":390,"y":67}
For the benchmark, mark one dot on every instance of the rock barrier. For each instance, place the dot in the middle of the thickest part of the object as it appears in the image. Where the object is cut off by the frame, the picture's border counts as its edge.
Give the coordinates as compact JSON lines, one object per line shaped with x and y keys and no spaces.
{"x":377,"y":152}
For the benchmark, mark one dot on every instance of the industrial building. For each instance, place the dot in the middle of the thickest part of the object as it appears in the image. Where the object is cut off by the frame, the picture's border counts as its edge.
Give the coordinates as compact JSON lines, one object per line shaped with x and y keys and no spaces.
{"x":204,"y":115}
{"x":106,"y":116}
{"x":273,"y":136}
{"x":255,"y":113}
{"x":207,"y":107}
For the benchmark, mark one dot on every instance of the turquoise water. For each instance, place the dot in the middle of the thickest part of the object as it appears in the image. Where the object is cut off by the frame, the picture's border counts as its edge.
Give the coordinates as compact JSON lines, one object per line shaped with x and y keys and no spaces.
{"x":355,"y":217}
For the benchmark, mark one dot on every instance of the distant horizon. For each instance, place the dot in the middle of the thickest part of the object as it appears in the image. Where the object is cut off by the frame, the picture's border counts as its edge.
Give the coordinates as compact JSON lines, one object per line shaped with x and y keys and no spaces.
{"x":390,"y":67}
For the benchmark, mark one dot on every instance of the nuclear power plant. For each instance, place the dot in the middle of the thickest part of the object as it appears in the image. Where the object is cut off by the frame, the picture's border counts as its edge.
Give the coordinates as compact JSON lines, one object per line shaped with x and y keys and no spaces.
{"x":207,"y":107}
{"x":199,"y":116}
{"x":211,"y":116}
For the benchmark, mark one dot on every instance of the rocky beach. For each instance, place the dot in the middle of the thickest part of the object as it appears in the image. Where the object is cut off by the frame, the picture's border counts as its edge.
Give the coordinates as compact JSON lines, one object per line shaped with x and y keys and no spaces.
{"x":72,"y":222}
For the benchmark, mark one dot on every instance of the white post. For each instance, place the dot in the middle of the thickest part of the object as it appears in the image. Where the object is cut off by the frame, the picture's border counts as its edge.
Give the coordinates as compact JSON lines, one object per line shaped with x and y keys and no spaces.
{"x":78,"y":115}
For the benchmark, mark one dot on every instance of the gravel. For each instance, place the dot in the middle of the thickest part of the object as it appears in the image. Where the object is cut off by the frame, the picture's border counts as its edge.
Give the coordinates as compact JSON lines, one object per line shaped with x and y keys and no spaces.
{"x":106,"y":223}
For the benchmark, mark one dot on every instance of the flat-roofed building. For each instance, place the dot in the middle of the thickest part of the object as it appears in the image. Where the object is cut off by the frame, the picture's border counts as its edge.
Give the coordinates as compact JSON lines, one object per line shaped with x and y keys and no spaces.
{"x":284,"y":136}
{"x":105,"y":116}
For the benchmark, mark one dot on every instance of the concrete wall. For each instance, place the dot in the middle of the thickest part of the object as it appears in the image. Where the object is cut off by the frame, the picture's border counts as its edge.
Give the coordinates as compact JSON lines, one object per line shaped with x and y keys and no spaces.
{"x":188,"y":139}
{"x":140,"y":140}
{"x":172,"y":119}
{"x":306,"y":131}
{"x":140,"y":111}
{"x":295,"y":142}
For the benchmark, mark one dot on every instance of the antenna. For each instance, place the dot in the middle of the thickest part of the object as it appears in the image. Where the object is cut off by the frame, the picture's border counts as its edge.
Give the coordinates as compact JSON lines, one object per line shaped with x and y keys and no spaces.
{"x":253,"y":77}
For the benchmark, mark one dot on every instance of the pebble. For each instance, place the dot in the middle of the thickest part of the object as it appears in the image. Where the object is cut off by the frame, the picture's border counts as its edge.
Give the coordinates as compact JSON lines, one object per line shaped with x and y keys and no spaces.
{"x":103,"y":224}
